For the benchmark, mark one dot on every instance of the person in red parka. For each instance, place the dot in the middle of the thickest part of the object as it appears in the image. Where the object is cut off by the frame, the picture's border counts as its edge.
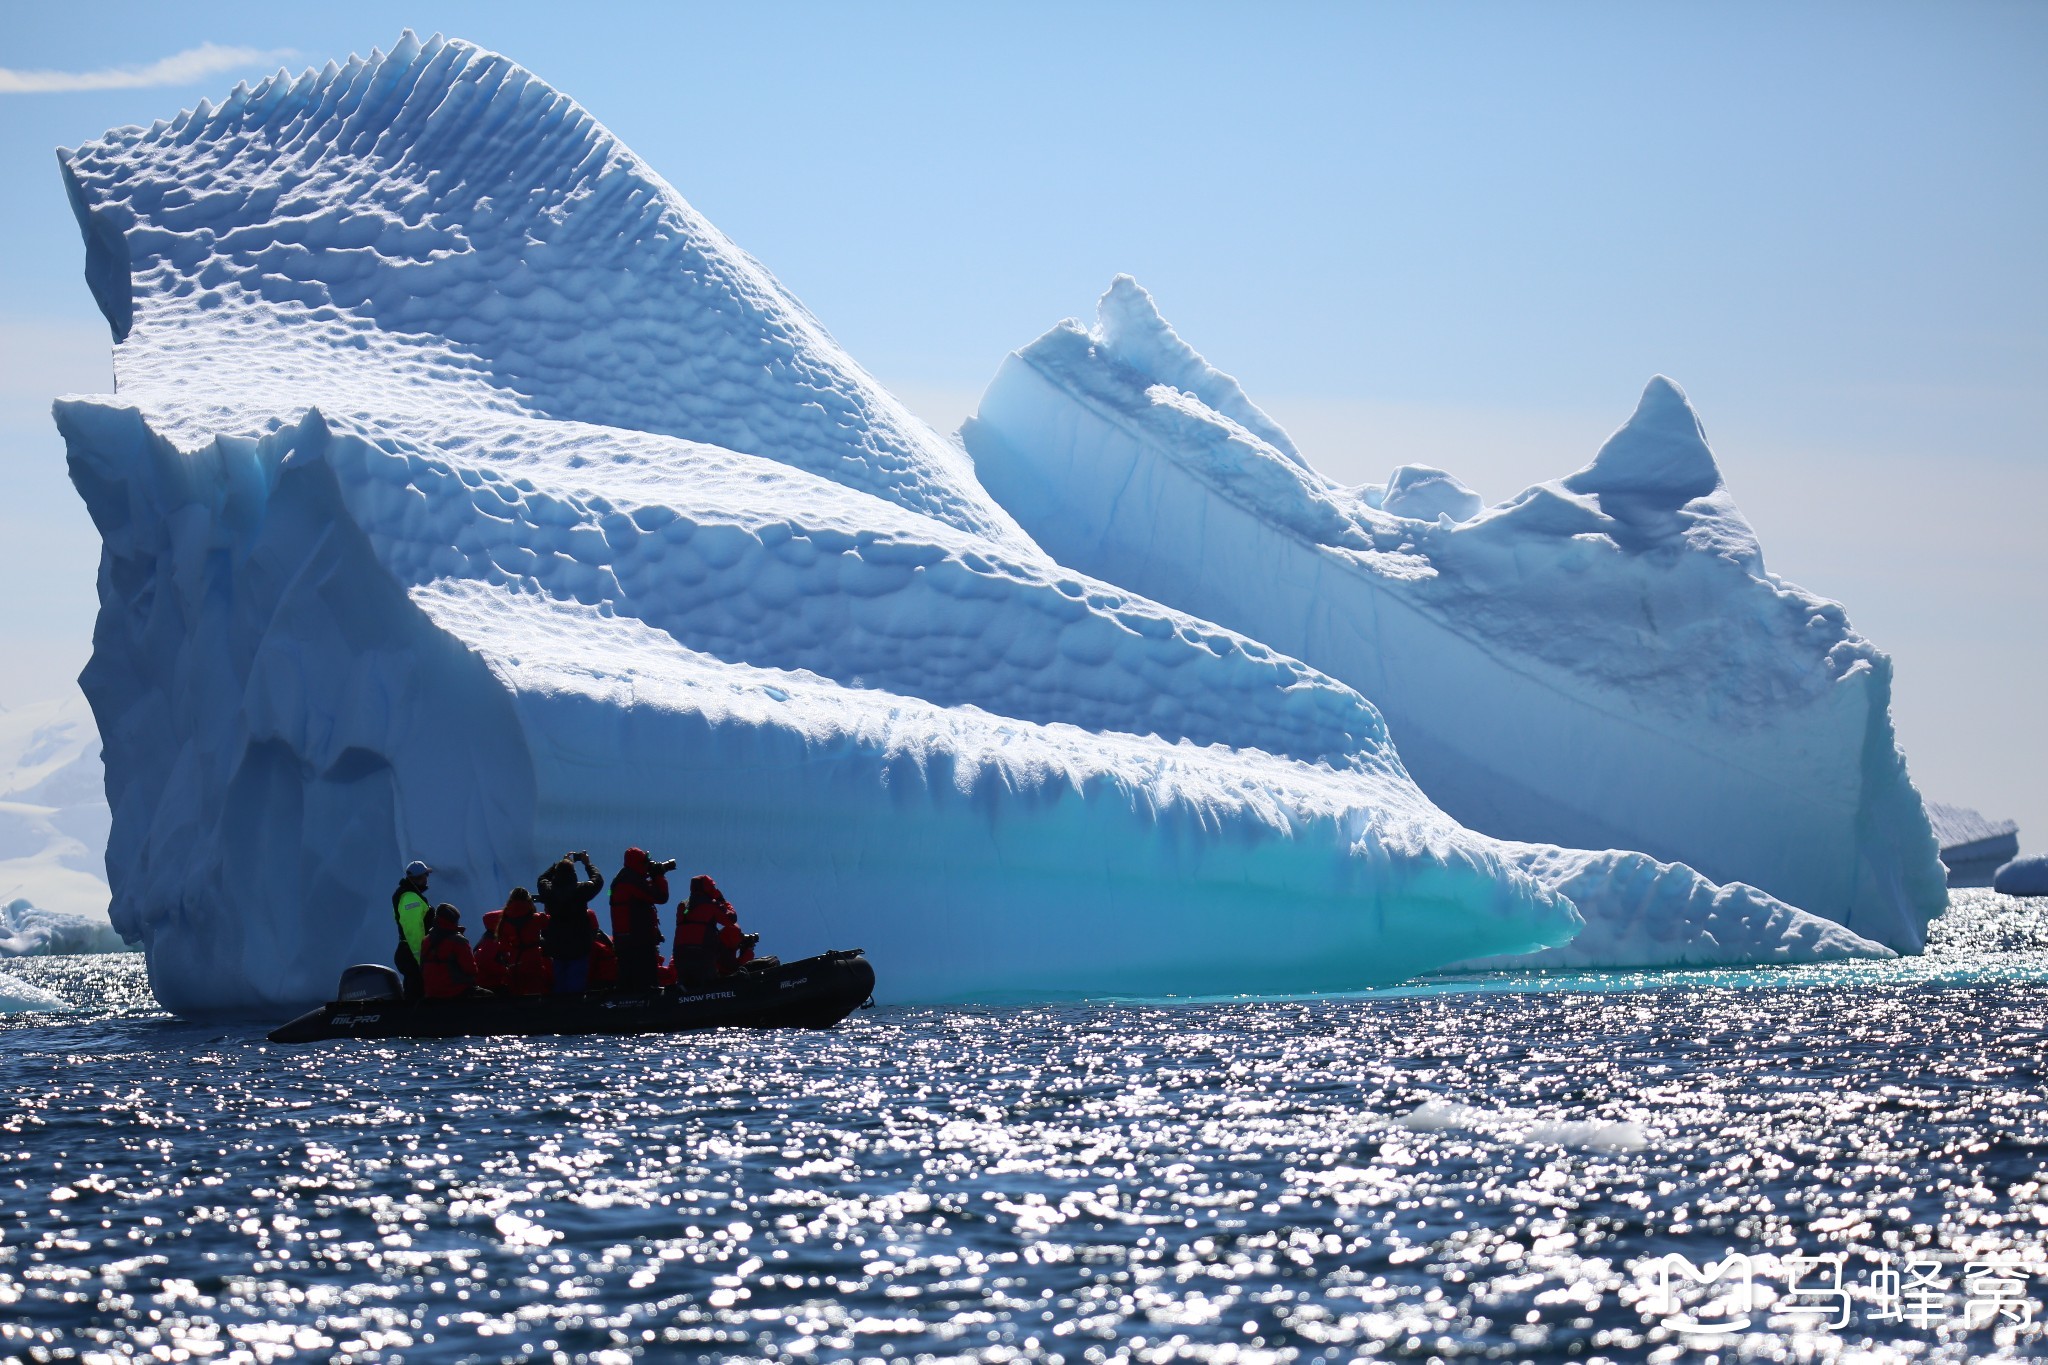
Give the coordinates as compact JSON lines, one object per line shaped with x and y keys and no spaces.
{"x":446,"y":959}
{"x":709,"y":943}
{"x":510,"y":958}
{"x":640,"y":887}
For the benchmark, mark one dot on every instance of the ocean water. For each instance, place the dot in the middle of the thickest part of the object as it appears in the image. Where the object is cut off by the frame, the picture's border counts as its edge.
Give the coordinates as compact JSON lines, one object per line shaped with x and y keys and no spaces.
{"x":1476,"y":1168}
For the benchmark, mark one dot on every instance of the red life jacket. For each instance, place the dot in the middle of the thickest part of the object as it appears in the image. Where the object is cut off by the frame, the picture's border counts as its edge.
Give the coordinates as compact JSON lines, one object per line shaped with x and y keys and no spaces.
{"x":448,"y":964}
{"x":604,"y":963}
{"x":709,"y":943}
{"x":493,"y":963}
{"x":511,"y":958}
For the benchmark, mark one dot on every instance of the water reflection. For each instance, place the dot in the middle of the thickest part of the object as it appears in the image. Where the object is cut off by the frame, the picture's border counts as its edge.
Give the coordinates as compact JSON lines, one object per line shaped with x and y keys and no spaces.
{"x":1435,"y":1172}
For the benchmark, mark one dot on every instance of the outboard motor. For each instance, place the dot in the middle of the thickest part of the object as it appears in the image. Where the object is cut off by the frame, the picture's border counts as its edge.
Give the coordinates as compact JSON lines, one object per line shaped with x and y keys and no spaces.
{"x":369,"y":981}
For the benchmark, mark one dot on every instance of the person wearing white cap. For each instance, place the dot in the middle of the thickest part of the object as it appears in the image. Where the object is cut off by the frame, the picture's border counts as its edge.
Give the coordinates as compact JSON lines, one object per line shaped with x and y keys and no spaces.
{"x":409,"y":907}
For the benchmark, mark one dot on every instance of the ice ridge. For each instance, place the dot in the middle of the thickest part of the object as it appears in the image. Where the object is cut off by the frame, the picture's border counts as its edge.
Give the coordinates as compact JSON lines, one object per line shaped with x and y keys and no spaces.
{"x":1130,"y":328}
{"x":1602,"y":662}
{"x":435,"y":228}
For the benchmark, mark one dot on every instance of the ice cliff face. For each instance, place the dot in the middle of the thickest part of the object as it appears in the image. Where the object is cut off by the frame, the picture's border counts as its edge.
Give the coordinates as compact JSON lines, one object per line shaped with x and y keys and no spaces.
{"x":1600,"y":663}
{"x":468,"y":497}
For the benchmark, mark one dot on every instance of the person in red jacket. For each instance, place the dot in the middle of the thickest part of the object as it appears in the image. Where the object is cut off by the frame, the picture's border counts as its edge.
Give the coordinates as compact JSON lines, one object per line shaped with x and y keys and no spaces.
{"x":446,"y":959}
{"x":510,"y":958}
{"x":493,"y":964}
{"x":640,"y":887}
{"x":709,"y":943}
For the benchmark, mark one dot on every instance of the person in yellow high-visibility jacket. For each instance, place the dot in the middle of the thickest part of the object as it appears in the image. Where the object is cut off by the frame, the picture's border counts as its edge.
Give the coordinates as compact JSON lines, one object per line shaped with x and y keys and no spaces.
{"x":410,"y":908}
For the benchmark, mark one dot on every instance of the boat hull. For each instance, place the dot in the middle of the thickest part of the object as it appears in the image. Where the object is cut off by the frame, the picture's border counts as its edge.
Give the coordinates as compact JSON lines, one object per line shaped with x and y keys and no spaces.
{"x":816,"y":992}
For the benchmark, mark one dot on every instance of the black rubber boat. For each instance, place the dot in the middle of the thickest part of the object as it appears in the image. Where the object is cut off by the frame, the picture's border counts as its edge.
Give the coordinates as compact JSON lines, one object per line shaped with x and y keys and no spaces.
{"x":817,"y":992}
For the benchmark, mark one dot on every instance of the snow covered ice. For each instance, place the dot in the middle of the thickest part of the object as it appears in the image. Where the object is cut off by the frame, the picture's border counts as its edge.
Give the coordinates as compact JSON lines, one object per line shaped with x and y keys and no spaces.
{"x":1600,"y":663}
{"x":468,"y":497}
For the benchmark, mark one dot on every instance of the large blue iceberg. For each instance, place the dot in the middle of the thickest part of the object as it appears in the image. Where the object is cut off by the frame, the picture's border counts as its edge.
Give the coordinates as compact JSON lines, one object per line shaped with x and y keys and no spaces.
{"x":467,"y":496}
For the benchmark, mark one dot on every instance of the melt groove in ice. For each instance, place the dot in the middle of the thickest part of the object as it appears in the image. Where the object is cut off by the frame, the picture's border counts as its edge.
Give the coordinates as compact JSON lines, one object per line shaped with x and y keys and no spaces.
{"x":468,"y":497}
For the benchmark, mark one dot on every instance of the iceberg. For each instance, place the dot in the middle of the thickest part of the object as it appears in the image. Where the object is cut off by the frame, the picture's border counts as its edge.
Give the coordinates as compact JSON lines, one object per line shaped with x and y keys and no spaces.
{"x":1600,"y":663}
{"x":29,"y":931}
{"x":467,"y":496}
{"x":2023,"y":877}
{"x":53,"y":816}
{"x":1973,"y":847}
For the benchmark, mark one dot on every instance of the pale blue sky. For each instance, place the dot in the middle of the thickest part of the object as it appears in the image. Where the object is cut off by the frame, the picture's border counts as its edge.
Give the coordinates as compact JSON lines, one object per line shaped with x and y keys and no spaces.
{"x":1457,"y":234}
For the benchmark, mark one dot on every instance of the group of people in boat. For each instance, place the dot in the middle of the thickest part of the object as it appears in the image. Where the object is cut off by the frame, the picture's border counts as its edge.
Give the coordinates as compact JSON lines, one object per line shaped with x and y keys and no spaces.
{"x":548,"y":941}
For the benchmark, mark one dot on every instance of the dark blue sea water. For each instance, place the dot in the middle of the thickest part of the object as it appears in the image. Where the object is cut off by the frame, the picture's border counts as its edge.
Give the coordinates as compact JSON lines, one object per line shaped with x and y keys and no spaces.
{"x":1473,"y":1169}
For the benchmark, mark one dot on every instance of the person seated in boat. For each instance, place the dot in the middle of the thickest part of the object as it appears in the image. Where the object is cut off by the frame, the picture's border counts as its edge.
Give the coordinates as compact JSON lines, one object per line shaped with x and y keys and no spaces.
{"x":447,"y":962}
{"x":509,"y":960}
{"x":410,"y":908}
{"x":637,"y":892}
{"x":571,"y":932}
{"x":709,"y":942}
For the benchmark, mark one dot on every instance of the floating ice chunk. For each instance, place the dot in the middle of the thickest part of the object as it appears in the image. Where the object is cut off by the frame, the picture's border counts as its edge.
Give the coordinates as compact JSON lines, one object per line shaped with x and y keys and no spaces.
{"x":18,"y":997}
{"x":26,"y":931}
{"x":1526,"y":1127}
{"x":2023,"y":877}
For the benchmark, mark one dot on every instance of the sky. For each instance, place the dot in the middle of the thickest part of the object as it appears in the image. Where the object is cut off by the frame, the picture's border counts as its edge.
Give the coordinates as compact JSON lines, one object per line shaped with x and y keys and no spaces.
{"x":1460,"y":235}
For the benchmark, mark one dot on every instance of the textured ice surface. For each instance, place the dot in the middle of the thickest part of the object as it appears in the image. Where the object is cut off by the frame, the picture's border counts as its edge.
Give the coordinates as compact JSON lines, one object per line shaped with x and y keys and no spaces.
{"x":1602,"y":662}
{"x":1643,"y":913}
{"x":468,"y":497}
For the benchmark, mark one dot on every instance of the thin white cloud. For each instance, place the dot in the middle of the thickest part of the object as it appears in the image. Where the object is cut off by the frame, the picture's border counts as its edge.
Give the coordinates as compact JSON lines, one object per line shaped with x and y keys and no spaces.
{"x":182,"y":68}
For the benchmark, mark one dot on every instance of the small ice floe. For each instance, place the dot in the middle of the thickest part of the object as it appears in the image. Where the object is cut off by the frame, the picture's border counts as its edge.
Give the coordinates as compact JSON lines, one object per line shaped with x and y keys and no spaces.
{"x":2023,"y":877}
{"x":18,"y":997}
{"x":1528,"y":1127}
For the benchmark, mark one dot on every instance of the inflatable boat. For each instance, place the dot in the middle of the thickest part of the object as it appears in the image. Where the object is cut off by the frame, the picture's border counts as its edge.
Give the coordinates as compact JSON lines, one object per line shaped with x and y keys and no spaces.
{"x":816,"y":992}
